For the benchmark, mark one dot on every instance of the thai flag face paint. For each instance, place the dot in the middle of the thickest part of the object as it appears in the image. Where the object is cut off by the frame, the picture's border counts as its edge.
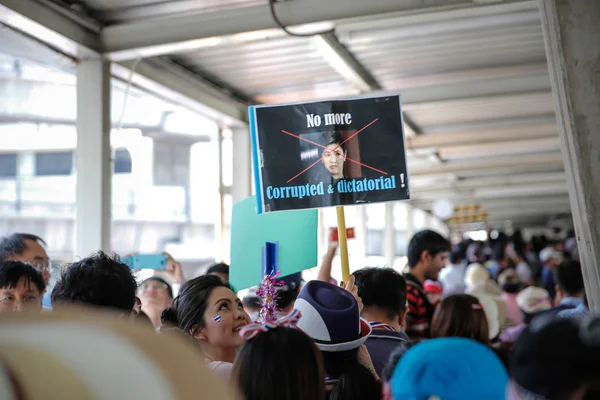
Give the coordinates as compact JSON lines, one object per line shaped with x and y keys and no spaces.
{"x":217,"y":318}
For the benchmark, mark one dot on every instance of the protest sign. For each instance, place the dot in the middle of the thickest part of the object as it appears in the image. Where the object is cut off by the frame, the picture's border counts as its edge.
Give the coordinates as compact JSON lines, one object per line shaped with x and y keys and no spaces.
{"x":328,"y":153}
{"x":293,"y":233}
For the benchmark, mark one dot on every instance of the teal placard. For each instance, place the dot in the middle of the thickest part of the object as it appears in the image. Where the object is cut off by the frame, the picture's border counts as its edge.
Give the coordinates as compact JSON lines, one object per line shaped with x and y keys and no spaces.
{"x":294,"y":232}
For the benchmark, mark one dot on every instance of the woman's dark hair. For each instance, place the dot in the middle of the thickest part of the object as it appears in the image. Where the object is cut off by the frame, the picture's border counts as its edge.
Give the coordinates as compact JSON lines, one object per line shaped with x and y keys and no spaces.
{"x":394,"y":359}
{"x":12,"y":271}
{"x":460,"y":315}
{"x":282,"y":363}
{"x":354,"y":381}
{"x":188,"y":308}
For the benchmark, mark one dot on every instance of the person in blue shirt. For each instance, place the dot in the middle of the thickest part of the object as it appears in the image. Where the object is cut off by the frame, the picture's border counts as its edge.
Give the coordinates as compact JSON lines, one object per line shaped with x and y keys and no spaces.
{"x":569,"y":288}
{"x":550,"y":259}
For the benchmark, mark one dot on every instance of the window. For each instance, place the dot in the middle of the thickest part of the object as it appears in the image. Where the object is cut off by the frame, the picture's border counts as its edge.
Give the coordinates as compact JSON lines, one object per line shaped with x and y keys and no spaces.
{"x":122,"y":161}
{"x":54,"y":163}
{"x":374,"y":242}
{"x":8,"y":165}
{"x":401,"y":243}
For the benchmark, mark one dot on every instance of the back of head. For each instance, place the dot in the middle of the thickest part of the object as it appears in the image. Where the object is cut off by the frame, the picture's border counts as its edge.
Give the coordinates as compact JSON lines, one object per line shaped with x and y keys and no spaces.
{"x":382,"y":288}
{"x":13,"y":271}
{"x":554,"y":358}
{"x":395,"y":358}
{"x":188,"y":308}
{"x":460,"y":315}
{"x":453,"y":368}
{"x":281,"y":363}
{"x":15,"y":244}
{"x":499,"y":252}
{"x":426,"y":240}
{"x":569,"y":278}
{"x":220,"y":268}
{"x":351,"y":380}
{"x":288,"y":292}
{"x":99,"y":280}
{"x":509,"y":281}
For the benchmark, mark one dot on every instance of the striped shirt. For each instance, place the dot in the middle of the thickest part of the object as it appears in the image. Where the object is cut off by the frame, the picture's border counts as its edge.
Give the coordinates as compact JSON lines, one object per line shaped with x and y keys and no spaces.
{"x":420,"y":311}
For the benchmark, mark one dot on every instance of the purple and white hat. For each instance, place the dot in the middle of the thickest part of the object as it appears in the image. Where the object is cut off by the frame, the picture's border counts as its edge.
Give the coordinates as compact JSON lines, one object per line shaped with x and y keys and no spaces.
{"x":330,"y":316}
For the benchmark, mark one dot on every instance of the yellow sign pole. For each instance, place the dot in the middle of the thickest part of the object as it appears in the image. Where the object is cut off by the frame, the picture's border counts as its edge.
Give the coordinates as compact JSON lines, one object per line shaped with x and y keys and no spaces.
{"x":343,"y":242}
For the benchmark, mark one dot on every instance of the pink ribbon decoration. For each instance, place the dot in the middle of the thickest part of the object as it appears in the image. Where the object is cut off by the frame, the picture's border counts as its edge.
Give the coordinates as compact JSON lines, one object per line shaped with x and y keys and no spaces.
{"x":289,"y":321}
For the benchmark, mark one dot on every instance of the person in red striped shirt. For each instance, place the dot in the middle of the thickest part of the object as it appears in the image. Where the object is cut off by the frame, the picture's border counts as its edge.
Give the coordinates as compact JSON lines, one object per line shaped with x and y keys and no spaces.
{"x":428,"y":253}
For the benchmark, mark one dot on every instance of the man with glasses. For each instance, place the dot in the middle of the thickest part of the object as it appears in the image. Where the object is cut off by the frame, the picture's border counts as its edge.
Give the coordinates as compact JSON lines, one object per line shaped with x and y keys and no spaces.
{"x":26,"y":248}
{"x":156,"y":295}
{"x":21,"y":287}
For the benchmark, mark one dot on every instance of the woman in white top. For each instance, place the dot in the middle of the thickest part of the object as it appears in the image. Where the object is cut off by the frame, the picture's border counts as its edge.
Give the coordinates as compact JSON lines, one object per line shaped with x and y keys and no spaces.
{"x":209,"y":311}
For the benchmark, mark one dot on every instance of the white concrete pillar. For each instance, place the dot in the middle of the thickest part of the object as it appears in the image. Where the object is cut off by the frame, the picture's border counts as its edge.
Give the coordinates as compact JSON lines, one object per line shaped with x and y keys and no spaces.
{"x":242,"y":165}
{"x":389,"y":235}
{"x":94,"y":167}
{"x":572,"y":36}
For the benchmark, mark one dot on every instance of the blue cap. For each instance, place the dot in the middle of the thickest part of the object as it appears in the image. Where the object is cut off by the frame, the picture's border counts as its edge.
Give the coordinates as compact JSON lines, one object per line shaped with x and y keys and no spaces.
{"x":449,"y":368}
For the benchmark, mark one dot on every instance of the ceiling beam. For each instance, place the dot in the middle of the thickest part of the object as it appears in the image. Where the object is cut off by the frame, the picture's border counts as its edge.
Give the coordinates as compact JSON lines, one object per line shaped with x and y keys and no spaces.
{"x":493,"y":164}
{"x":527,"y":146}
{"x":183,"y":32}
{"x":344,"y":63}
{"x":507,"y":133}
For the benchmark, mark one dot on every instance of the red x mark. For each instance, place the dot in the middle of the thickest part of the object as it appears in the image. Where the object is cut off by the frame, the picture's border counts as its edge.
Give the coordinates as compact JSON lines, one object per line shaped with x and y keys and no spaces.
{"x":340,"y":145}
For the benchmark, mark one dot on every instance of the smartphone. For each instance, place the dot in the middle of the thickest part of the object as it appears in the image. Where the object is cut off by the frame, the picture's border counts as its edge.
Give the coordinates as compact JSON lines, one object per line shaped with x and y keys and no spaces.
{"x":334,"y":237}
{"x":156,"y":262}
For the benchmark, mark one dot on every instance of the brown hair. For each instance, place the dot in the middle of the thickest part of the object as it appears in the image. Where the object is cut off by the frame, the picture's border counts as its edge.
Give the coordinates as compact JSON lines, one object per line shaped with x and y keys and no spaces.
{"x":460,"y":315}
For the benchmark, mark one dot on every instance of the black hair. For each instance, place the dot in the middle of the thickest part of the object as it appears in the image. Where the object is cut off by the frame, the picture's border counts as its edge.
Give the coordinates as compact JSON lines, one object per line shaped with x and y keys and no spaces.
{"x":12,"y":271}
{"x":220,"y":268}
{"x":15,"y":244}
{"x":354,"y":381}
{"x":286,"y":298}
{"x":252,"y":302}
{"x":336,"y":138}
{"x":499,"y":252}
{"x":383,"y":288}
{"x":397,"y":354}
{"x":188,"y":308}
{"x":98,"y":280}
{"x":284,"y":357}
{"x":426,"y":240}
{"x":569,"y":277}
{"x":159,"y":279}
{"x":456,"y":257}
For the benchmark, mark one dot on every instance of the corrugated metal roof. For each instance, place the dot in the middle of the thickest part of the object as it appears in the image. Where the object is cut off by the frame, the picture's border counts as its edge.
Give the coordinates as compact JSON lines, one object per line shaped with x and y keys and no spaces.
{"x":114,"y":11}
{"x":268,"y":69}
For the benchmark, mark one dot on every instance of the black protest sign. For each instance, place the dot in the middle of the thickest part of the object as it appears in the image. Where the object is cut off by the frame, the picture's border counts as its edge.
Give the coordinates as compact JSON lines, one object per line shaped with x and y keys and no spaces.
{"x":328,"y":153}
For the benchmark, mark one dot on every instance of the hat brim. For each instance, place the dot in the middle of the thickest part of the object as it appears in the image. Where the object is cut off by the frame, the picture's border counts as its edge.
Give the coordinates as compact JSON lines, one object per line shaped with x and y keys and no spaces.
{"x":365,"y":331}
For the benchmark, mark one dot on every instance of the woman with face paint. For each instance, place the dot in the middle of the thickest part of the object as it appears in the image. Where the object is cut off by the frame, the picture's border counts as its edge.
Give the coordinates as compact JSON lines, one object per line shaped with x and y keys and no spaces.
{"x":208,"y":310}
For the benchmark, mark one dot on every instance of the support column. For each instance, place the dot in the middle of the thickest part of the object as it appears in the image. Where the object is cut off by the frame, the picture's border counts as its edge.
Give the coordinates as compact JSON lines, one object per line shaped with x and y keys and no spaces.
{"x":389,"y":235}
{"x":94,"y":167}
{"x":572,"y":34}
{"x":242,"y":165}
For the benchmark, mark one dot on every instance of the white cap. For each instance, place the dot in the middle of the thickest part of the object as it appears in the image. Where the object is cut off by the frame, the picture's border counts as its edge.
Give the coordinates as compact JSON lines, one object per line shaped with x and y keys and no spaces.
{"x":549,"y":253}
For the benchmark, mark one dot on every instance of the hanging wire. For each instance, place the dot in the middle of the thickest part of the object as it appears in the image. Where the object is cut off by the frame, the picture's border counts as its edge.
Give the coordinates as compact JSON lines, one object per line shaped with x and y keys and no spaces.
{"x":286,"y":30}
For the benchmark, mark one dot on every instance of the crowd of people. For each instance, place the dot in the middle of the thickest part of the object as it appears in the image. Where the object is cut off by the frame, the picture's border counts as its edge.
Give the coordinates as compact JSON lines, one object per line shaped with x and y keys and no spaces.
{"x":502,"y":319}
